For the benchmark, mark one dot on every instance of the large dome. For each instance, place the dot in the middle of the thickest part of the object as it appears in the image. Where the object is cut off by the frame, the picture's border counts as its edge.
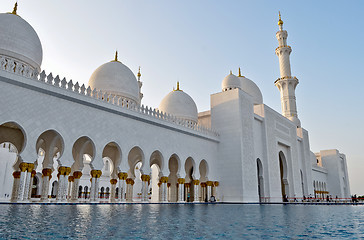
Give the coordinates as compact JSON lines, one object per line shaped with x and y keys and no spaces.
{"x":179,"y":104}
{"x":252,"y":89}
{"x":19,"y":40}
{"x":115,"y":78}
{"x":230,"y":82}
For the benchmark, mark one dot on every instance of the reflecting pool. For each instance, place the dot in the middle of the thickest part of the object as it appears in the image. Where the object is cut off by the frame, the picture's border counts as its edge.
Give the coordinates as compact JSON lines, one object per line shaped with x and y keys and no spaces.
{"x":174,"y":221}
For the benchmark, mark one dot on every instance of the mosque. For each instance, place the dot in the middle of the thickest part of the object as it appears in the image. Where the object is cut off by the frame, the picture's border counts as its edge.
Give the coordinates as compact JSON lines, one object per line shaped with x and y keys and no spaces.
{"x":98,"y":143}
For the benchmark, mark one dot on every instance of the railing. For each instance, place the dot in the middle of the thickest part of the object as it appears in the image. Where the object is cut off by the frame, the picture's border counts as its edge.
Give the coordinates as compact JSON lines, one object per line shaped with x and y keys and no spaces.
{"x":20,"y":68}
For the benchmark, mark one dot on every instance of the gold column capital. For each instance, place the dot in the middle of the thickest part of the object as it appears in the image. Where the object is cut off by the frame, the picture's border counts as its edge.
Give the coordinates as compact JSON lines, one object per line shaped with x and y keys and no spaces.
{"x":113,"y":181}
{"x":123,"y":175}
{"x":23,"y":166}
{"x":196,"y":182}
{"x":164,"y":179}
{"x":145,"y":178}
{"x":46,"y":172}
{"x":33,"y":173}
{"x":216,"y":183}
{"x":16,"y":174}
{"x":130,"y":181}
{"x":181,"y":180}
{"x":77,"y":174}
{"x":70,"y":178}
{"x":209,"y":183}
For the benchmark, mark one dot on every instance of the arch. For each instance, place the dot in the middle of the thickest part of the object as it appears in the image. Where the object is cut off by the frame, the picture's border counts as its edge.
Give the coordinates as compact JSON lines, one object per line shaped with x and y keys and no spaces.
{"x":260,"y":180}
{"x":173,"y":166}
{"x":52,"y":143}
{"x":283,"y":176}
{"x":102,"y":192}
{"x":82,"y":146}
{"x":85,"y":190}
{"x":204,"y":170}
{"x":156,"y":163}
{"x":54,"y":189}
{"x":79,"y":193}
{"x":135,"y":156}
{"x":108,"y":169}
{"x":35,"y":186}
{"x":190,"y":172}
{"x":107,"y":193}
{"x":113,"y":152}
{"x":13,"y":133}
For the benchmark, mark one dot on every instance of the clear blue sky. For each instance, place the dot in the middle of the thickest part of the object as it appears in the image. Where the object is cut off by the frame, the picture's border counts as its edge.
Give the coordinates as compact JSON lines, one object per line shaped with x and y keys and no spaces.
{"x":198,"y":42}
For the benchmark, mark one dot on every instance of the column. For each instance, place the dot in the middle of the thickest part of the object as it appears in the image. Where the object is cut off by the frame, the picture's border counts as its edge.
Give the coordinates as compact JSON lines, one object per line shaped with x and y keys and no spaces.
{"x":76,"y":182}
{"x":23,"y":168}
{"x":164,"y":189}
{"x":46,"y":177}
{"x":159,"y":191}
{"x":203,"y":192}
{"x":69,"y":189}
{"x":181,"y":189}
{"x":113,"y":190}
{"x":129,"y":189}
{"x":14,"y":193}
{"x":31,"y":183}
{"x":62,"y":182}
{"x":196,"y":185}
{"x":28,"y":183}
{"x":145,"y":184}
{"x":168,"y":192}
{"x":122,"y":186}
{"x":94,"y":191}
{"x":209,"y":184}
{"x":216,"y":192}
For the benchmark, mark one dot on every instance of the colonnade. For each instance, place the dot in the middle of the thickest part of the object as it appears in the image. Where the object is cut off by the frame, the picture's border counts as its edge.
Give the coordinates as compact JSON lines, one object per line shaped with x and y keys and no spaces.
{"x":68,"y":190}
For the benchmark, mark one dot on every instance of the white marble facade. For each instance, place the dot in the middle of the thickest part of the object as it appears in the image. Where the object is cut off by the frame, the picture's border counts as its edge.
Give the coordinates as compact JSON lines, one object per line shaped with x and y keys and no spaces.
{"x":62,"y":141}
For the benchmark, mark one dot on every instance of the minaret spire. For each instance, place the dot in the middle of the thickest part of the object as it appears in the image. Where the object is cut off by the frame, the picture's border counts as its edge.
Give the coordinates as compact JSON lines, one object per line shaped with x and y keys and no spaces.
{"x":116,"y":56}
{"x":239,"y":73}
{"x":286,"y":83}
{"x":139,"y":74}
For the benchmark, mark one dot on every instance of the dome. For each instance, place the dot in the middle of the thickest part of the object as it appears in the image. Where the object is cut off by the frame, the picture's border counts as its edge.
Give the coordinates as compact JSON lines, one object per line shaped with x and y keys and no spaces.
{"x":115,"y":78}
{"x":179,"y":104}
{"x":230,"y":82}
{"x":252,"y":89}
{"x":19,"y":40}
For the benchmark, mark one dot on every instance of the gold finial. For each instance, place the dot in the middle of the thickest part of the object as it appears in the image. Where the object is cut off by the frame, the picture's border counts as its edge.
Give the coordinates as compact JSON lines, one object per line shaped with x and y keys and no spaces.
{"x":116,"y":56}
{"x":239,"y":73}
{"x":231,"y":72}
{"x":15,"y":8}
{"x":177,"y":89}
{"x":280,"y":22}
{"x":139,"y":74}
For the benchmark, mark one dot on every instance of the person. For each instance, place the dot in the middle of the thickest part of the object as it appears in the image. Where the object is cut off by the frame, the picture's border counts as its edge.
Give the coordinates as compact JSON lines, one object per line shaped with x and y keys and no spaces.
{"x":285,"y":199}
{"x":327,"y":198}
{"x":295,"y":199}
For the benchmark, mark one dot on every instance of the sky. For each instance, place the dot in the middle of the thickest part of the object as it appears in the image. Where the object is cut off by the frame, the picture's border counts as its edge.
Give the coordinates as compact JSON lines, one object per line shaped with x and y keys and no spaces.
{"x":197,"y":42}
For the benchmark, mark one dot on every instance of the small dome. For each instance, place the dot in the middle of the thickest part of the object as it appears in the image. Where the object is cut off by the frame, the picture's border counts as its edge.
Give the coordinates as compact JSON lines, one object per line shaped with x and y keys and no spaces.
{"x":179,"y":104}
{"x":19,"y":40}
{"x":115,"y":78}
{"x":230,"y":82}
{"x":252,"y":89}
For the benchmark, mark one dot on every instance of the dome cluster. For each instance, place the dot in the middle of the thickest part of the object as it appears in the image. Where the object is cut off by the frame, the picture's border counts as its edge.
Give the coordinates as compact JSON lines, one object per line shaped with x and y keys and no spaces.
{"x":19,"y":40}
{"x":232,"y":82}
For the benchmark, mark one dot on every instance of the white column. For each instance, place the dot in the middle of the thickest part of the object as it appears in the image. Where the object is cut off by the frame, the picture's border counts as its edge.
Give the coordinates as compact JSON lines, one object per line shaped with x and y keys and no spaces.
{"x":14,"y":193}
{"x":61,"y":179}
{"x":209,"y":189}
{"x":47,"y":172}
{"x":94,"y":191}
{"x":27,"y":186}
{"x":69,"y":188}
{"x":113,"y":190}
{"x":30,"y":185}
{"x":76,"y":183}
{"x":62,"y":182}
{"x":145,"y":184}
{"x":164,"y":189}
{"x":196,"y":185}
{"x":181,"y":189}
{"x":23,"y":168}
{"x":129,"y":189}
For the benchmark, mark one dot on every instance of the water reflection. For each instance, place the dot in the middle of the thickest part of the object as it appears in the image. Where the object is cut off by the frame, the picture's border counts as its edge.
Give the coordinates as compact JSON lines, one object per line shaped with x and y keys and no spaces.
{"x":156,"y":221}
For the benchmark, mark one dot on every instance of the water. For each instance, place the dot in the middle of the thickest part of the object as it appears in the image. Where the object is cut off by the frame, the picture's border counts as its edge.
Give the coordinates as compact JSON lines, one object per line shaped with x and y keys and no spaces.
{"x":219,"y":221}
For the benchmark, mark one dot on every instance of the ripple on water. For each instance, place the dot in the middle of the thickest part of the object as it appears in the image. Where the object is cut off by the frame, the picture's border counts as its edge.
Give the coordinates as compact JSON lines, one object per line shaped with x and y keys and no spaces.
{"x":175,"y":221}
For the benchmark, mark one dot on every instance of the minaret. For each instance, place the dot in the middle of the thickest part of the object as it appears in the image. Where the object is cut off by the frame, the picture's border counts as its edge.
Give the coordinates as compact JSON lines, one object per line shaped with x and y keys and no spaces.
{"x":140,"y":83}
{"x":286,"y":83}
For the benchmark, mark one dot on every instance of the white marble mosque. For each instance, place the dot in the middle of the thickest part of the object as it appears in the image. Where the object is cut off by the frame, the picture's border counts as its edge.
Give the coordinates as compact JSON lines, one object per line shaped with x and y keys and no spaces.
{"x":98,"y":143}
